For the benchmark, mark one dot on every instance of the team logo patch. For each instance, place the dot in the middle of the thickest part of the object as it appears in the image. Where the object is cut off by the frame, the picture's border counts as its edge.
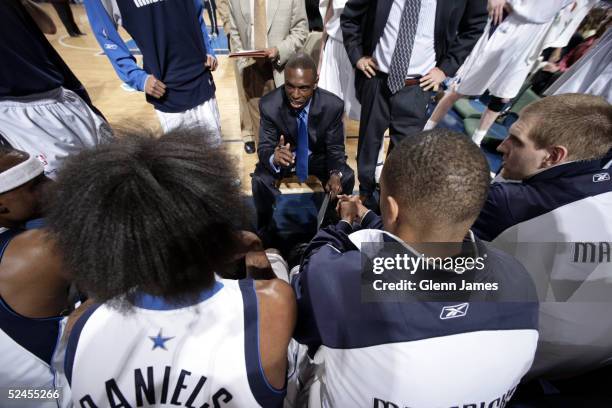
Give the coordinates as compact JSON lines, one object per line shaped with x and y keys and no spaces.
{"x":450,"y":312}
{"x":160,"y":341}
{"x":598,"y":178}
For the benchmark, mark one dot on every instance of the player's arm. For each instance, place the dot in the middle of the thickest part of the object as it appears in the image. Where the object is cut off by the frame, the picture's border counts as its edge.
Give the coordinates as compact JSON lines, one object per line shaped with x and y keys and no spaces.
{"x":277,"y":318}
{"x":211,"y":61}
{"x":42,"y":19}
{"x":104,"y":28}
{"x":33,"y":280}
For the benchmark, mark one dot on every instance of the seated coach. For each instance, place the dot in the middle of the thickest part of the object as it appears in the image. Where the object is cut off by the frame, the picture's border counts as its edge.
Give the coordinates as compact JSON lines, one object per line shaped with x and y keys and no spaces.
{"x":301,"y":133}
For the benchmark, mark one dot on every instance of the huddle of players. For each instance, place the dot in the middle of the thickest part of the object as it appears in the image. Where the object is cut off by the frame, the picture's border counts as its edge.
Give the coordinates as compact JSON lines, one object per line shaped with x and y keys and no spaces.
{"x":144,"y":229}
{"x":163,"y":327}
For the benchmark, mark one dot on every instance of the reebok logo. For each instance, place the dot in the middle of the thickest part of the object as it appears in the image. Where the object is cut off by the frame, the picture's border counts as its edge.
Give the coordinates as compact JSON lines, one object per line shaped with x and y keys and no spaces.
{"x":450,"y":312}
{"x":142,"y":3}
{"x":598,"y":178}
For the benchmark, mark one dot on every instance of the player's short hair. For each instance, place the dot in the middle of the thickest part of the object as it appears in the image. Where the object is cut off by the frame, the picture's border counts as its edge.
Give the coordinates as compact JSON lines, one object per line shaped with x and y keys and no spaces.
{"x":582,"y":123}
{"x":439,"y":177}
{"x":157,"y":215}
{"x":301,"y":60}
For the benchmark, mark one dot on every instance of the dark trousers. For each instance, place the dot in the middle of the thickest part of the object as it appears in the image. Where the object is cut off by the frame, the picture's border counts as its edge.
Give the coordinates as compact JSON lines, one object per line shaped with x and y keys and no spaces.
{"x":65,"y":14}
{"x":403,"y":113}
{"x":265,"y":190}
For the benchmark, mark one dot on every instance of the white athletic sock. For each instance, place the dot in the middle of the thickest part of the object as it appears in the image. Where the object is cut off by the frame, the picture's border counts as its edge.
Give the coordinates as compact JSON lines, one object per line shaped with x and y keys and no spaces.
{"x":478,"y":135}
{"x":430,"y":125}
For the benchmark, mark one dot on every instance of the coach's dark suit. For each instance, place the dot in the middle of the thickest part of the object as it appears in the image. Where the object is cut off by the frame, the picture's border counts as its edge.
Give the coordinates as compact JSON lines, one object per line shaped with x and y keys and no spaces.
{"x":325,"y":142}
{"x":458,"y":26}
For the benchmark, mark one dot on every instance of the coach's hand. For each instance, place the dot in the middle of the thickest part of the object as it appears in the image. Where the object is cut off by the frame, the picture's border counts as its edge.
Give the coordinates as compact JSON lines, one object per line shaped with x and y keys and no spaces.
{"x":433,"y":79}
{"x":154,"y":87}
{"x":271,"y":53}
{"x":282,"y":154}
{"x":211,"y":62}
{"x":334,"y":185}
{"x":368,"y":66}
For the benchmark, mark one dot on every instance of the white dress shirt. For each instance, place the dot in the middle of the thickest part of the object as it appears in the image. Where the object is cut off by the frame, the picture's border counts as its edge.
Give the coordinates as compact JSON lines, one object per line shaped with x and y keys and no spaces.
{"x":423,"y":57}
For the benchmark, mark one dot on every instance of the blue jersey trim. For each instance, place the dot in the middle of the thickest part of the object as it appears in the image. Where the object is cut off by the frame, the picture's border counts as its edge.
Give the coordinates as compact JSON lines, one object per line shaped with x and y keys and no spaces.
{"x":331,"y":311}
{"x":265,"y":394}
{"x":509,"y":204}
{"x":5,"y":239}
{"x":37,"y":335}
{"x":73,"y":341}
{"x":150,"y":302}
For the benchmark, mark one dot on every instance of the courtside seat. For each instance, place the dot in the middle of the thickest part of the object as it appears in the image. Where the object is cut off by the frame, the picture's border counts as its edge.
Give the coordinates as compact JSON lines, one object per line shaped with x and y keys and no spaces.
{"x":526,"y":98}
{"x":469,"y":108}
{"x":496,"y":134}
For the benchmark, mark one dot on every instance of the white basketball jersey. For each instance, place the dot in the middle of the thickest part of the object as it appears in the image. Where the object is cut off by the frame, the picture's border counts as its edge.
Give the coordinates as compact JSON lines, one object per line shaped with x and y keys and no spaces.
{"x":204,"y":354}
{"x":30,"y":355}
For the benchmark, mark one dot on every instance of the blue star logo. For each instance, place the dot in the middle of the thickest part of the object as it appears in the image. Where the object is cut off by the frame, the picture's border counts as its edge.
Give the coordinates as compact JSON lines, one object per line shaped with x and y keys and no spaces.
{"x":160,"y":341}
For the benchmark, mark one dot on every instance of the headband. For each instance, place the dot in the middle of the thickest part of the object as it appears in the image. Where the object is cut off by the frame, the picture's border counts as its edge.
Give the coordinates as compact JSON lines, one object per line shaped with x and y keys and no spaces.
{"x":20,"y":174}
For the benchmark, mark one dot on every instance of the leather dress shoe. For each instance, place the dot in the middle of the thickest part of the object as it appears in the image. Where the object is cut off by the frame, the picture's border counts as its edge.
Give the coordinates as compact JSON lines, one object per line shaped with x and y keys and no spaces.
{"x":249,"y":147}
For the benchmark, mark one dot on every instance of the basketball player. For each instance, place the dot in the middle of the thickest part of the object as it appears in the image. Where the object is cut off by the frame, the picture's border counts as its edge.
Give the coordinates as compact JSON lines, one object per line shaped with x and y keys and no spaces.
{"x":433,"y":186}
{"x":164,"y":330}
{"x":33,"y":290}
{"x":44,"y":109}
{"x":178,"y":57}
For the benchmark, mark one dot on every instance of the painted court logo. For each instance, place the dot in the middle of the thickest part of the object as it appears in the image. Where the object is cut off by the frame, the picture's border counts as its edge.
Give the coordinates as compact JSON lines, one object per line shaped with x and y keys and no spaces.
{"x":450,"y":312}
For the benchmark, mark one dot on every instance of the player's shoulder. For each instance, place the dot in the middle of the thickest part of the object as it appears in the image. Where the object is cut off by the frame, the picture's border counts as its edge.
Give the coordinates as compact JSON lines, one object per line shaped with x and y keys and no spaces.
{"x":275,"y":292}
{"x":31,"y":246}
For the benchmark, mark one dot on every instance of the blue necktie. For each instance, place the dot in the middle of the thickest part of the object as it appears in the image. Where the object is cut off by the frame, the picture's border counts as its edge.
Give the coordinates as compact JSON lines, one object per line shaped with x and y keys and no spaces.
{"x":301,"y":168}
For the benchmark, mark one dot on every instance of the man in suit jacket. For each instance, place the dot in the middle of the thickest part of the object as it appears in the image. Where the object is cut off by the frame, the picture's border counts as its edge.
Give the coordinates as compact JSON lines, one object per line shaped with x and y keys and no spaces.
{"x":302,"y":133}
{"x":286,"y":29}
{"x":403,"y":49}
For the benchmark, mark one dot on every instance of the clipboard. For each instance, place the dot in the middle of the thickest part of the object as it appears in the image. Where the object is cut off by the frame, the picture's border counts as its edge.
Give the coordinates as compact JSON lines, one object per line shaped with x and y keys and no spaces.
{"x":323,"y":210}
{"x":248,"y":54}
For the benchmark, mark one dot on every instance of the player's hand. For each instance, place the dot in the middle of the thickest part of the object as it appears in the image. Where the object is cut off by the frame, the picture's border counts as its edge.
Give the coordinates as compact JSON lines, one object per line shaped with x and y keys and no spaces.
{"x":347,"y":209}
{"x":211,"y":62}
{"x":334,"y":186}
{"x":361,"y":210}
{"x":368,"y":66}
{"x":433,"y":79}
{"x":271,"y":53}
{"x":154,"y":87}
{"x":282,"y":154}
{"x":496,"y":10}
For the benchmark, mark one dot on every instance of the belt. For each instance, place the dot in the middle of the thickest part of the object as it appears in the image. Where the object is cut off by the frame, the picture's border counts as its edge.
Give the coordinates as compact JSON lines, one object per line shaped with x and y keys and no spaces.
{"x":412,"y":81}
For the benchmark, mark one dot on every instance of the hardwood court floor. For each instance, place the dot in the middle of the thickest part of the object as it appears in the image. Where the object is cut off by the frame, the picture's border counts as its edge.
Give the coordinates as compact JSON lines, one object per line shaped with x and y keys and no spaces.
{"x":84,"y":56}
